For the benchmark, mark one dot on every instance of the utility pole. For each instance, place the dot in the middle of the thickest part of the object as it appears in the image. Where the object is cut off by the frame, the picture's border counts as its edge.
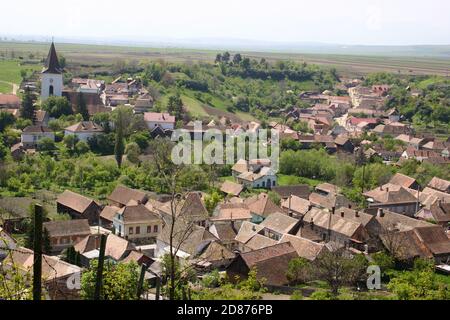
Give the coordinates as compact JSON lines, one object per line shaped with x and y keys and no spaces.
{"x":37,"y":256}
{"x":101,"y":261}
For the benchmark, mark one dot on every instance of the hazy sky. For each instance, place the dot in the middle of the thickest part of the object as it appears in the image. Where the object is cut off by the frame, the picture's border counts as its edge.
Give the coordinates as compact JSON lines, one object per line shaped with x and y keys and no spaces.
{"x":330,"y":21}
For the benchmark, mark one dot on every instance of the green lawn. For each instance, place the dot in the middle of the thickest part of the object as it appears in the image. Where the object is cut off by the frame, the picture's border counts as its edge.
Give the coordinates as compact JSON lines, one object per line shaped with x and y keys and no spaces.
{"x":285,"y":180}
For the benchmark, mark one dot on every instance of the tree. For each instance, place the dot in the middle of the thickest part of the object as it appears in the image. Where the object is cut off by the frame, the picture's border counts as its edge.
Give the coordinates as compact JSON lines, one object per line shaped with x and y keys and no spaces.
{"x":120,"y":281}
{"x":298,"y":271}
{"x":6,"y":119}
{"x":57,"y":106}
{"x":46,"y":145}
{"x":119,"y":147}
{"x":81,"y":107}
{"x":212,"y":201}
{"x":175,"y":106}
{"x":419,"y":284}
{"x":82,"y":147}
{"x":218,"y":58}
{"x":3,"y":150}
{"x":237,"y":59}
{"x":133,"y":151}
{"x":226,"y":57}
{"x":27,"y":107}
{"x":339,"y":268}
{"x":70,"y":141}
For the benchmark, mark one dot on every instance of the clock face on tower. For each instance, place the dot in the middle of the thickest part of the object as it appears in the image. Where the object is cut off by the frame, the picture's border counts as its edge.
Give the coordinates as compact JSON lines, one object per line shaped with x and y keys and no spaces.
{"x":51,"y":80}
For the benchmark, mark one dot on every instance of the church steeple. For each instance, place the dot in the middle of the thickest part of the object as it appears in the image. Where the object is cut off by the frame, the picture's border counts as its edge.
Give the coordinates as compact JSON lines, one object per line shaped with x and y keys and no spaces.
{"x":52,"y":64}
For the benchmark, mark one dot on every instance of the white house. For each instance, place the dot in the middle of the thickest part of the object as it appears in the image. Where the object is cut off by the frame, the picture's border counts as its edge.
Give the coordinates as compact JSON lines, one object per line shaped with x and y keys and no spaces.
{"x":163,"y":120}
{"x":33,"y":134}
{"x":51,"y":79}
{"x":263,"y":178}
{"x":84,"y":130}
{"x":137,"y":223}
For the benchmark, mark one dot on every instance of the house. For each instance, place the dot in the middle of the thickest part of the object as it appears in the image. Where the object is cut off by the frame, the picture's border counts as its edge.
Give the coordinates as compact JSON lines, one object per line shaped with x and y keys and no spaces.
{"x":278,"y":224}
{"x":116,"y":249}
{"x":64,"y":234}
{"x":440,"y":185}
{"x":17,"y":152}
{"x":84,"y":130}
{"x":55,"y":273}
{"x":122,"y":195}
{"x":7,"y":243}
{"x":261,"y":206}
{"x":231,"y":188}
{"x":240,"y":167}
{"x":305,"y":248}
{"x":296,"y":206}
{"x":394,"y":198}
{"x":31,"y":136}
{"x":335,"y":227}
{"x":78,"y":207}
{"x":328,"y":201}
{"x":231,"y":213}
{"x":41,"y":118}
{"x":163,"y":120}
{"x":189,"y":240}
{"x":226,"y":233}
{"x":393,"y":129}
{"x":264,"y":178}
{"x":136,"y":223}
{"x":9,"y":101}
{"x":439,"y":213}
{"x":301,"y":191}
{"x":404,"y":181}
{"x":271,"y":264}
{"x":143,"y":103}
{"x":327,"y":189}
{"x":107,"y":216}
{"x":344,"y":144}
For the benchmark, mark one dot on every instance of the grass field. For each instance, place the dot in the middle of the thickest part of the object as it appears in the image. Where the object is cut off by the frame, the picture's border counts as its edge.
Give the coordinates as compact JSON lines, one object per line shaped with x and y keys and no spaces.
{"x":10,"y":74}
{"x":351,"y":65}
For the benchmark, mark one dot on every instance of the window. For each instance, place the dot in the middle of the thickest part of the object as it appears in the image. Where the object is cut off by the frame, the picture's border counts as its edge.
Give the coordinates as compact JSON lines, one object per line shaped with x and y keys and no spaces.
{"x":155,"y":229}
{"x":130,"y":230}
{"x":138,"y":230}
{"x":149,"y":229}
{"x":51,"y":90}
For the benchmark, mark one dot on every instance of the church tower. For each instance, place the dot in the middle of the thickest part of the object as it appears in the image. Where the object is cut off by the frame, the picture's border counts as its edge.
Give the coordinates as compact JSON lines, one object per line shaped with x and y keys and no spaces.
{"x":52,"y":79}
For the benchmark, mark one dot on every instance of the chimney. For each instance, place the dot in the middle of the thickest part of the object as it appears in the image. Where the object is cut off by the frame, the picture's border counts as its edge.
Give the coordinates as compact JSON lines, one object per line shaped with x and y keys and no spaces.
{"x":387,"y":190}
{"x":357,"y":214}
{"x":380,"y":213}
{"x":333,"y":210}
{"x":349,"y":206}
{"x":342,"y":214}
{"x":139,"y":202}
{"x":381,"y":188}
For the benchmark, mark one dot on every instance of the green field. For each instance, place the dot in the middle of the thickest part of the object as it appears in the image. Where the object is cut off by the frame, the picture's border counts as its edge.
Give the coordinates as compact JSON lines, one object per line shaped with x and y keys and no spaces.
{"x":351,"y":65}
{"x":10,"y":74}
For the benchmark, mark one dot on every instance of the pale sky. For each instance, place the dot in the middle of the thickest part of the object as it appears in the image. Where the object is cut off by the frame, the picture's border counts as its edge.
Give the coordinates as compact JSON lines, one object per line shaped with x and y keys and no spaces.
{"x":370,"y":22}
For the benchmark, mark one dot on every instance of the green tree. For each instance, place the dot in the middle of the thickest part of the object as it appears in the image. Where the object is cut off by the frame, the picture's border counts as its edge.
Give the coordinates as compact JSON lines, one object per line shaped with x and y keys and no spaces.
{"x":175,"y":106}
{"x":133,"y":151}
{"x":70,"y":141}
{"x":120,"y":126}
{"x":57,"y":106}
{"x":27,"y":107}
{"x":82,"y":147}
{"x":212,"y":201}
{"x":46,"y":145}
{"x":120,"y":281}
{"x":298,"y":271}
{"x":6,"y":119}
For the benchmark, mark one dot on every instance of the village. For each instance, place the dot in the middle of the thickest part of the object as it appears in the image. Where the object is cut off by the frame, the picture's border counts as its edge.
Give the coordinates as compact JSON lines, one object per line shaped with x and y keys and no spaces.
{"x":254,"y":225}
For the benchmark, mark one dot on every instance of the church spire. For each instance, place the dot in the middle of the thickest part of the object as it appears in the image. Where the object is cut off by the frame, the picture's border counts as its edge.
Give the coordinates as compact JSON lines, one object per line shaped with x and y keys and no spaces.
{"x":52,"y":64}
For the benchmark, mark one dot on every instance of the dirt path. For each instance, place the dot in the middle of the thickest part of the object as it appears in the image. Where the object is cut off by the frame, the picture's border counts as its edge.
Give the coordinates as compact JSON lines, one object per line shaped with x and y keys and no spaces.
{"x":15,"y":87}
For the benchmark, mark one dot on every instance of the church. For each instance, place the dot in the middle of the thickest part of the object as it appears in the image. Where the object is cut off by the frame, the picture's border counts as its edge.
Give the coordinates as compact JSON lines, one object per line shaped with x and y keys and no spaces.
{"x":52,"y":78}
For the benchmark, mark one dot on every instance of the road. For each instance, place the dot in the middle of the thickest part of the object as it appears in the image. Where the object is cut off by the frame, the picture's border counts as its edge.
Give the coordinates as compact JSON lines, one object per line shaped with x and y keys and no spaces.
{"x":15,"y":87}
